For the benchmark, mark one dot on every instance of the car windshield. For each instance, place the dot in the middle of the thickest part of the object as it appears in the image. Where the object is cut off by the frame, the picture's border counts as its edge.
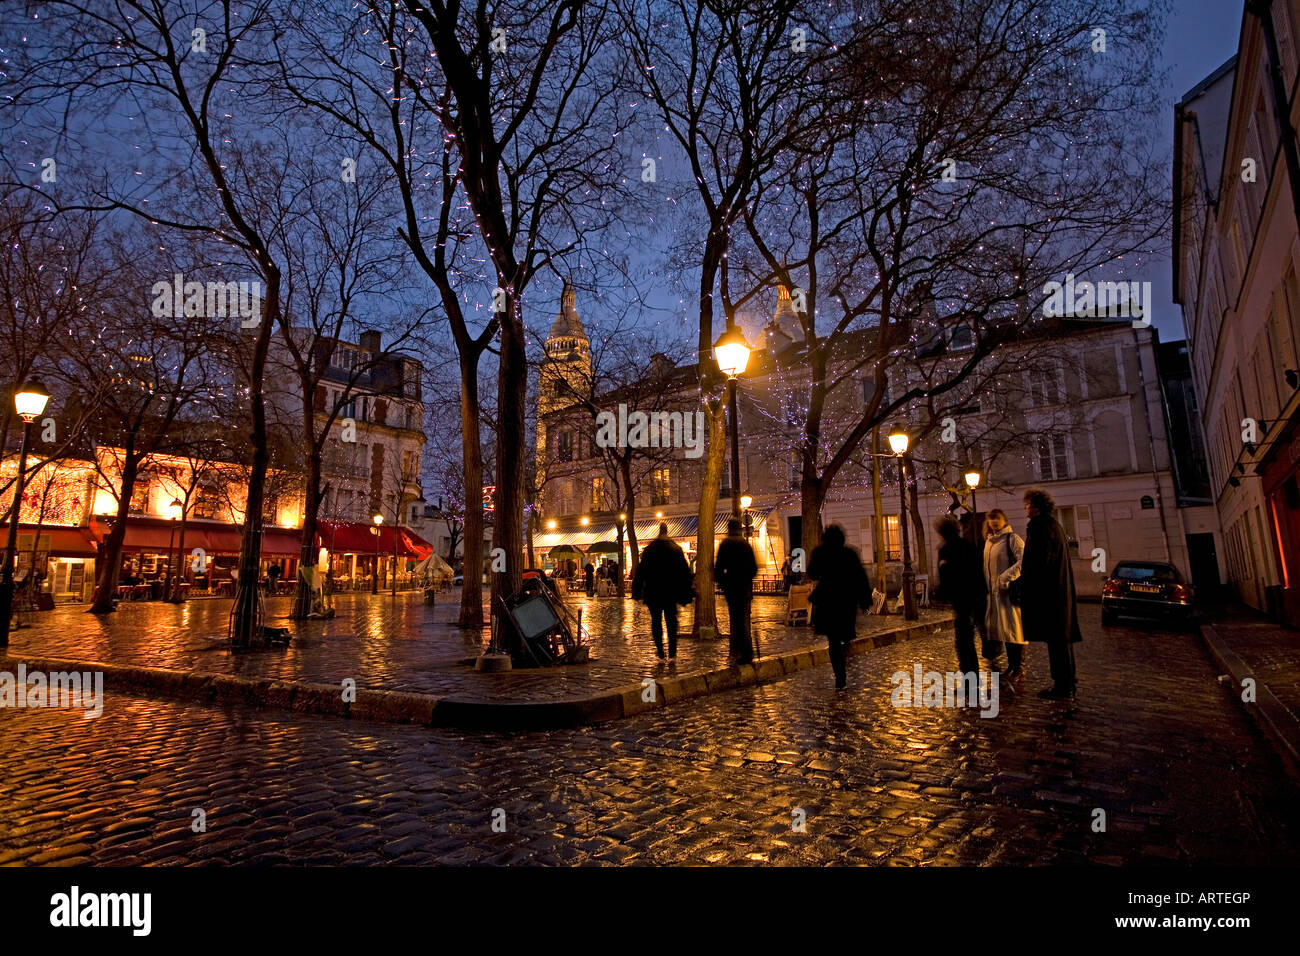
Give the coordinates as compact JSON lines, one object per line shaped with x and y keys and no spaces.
{"x":1153,"y":573}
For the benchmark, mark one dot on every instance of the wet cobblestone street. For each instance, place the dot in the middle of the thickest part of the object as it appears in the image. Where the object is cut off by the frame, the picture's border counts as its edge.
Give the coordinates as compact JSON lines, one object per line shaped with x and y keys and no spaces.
{"x":1153,"y":740}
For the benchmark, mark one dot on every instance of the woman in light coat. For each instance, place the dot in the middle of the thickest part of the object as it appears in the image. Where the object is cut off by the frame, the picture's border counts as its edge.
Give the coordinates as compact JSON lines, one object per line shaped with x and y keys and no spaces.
{"x":1003,"y":549}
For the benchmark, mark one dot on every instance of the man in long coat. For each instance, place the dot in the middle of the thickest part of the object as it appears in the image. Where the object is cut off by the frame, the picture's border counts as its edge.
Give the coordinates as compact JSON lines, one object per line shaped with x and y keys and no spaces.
{"x":1048,"y":610}
{"x":662,"y":581}
{"x":734,"y":569}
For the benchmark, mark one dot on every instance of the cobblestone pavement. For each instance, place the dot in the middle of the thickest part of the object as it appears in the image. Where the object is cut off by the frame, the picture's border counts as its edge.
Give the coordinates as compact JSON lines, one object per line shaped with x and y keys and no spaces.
{"x":395,"y":644}
{"x":1153,"y":741}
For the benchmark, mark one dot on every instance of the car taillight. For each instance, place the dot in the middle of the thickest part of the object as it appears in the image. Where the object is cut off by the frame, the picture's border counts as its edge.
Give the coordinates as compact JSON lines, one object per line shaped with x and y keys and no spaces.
{"x":1112,"y":587}
{"x":1182,"y":592}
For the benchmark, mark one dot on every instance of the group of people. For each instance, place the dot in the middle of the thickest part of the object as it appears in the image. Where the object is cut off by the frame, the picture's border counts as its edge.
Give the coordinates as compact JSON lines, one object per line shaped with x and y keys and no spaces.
{"x":1018,"y":590}
{"x":1014,"y":591}
{"x":664,"y":580}
{"x":608,"y":570}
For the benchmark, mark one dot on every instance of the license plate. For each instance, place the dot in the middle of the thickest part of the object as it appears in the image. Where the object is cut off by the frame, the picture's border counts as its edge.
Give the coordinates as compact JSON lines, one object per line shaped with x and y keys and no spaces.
{"x":1145,"y":588}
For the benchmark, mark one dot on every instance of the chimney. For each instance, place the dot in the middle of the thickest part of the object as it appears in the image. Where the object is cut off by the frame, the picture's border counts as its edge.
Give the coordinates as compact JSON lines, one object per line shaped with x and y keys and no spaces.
{"x":370,"y":340}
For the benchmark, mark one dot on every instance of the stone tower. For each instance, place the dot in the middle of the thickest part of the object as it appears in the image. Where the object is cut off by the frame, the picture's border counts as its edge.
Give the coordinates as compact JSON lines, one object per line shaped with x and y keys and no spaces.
{"x":565,"y":376}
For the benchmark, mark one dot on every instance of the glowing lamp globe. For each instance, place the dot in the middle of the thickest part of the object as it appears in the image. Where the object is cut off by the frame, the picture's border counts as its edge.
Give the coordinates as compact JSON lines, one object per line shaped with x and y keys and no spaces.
{"x":731,"y":352}
{"x":898,"y":441}
{"x":30,"y":400}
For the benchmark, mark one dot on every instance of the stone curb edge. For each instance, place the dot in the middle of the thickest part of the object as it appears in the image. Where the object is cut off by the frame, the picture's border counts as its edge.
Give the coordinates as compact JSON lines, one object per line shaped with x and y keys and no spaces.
{"x":1279,"y":724}
{"x":402,"y":707}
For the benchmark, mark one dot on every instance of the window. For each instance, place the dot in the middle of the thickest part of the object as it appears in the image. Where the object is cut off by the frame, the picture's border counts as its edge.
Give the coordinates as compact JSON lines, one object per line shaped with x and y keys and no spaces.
{"x":598,"y":493}
{"x":660,"y":486}
{"x":1066,"y":518}
{"x":1053,"y":457}
{"x":564,"y":446}
{"x":893,"y":539}
{"x":1044,"y":386}
{"x":205,"y":503}
{"x":963,"y":337}
{"x":869,"y":392}
{"x":140,"y":495}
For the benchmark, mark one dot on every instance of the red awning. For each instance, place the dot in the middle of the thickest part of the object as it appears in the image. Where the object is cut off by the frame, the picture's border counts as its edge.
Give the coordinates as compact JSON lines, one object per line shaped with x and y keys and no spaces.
{"x":157,"y":534}
{"x":64,"y":542}
{"x":354,"y":537}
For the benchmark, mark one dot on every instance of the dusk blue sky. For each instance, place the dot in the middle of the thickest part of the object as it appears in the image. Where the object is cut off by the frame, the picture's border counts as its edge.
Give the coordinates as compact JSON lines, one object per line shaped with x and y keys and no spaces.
{"x":1202,"y":36}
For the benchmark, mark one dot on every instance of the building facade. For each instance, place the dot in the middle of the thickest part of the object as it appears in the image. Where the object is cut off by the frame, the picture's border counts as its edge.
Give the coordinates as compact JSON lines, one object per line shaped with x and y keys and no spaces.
{"x":1236,"y":269}
{"x":1075,"y":407}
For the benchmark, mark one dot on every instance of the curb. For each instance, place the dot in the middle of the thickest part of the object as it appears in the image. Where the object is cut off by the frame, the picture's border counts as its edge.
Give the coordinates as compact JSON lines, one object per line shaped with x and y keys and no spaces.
{"x":404,"y":707}
{"x":1279,"y":724}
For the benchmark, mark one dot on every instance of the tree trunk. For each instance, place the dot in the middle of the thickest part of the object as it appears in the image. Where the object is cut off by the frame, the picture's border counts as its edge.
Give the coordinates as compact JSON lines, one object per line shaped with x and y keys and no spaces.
{"x":111,"y":558}
{"x":810,"y":510}
{"x":881,"y":541}
{"x":512,"y":380}
{"x":471,"y":588}
{"x":179,"y":575}
{"x":532,"y":529}
{"x":245,"y":616}
{"x":921,"y":561}
{"x":706,"y":606}
{"x":309,"y":552}
{"x":629,"y":508}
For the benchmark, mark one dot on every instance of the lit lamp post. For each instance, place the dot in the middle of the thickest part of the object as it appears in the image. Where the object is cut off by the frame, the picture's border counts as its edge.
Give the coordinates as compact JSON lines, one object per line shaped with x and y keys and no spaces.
{"x":898,"y":442}
{"x":374,"y":578}
{"x":731,"y":352}
{"x":174,"y":511}
{"x":29,"y":402}
{"x":745,"y":502}
{"x":973,"y":482}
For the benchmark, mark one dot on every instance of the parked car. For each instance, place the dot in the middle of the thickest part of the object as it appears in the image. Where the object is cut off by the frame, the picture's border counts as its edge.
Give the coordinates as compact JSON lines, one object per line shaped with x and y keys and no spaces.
{"x":1151,"y":589}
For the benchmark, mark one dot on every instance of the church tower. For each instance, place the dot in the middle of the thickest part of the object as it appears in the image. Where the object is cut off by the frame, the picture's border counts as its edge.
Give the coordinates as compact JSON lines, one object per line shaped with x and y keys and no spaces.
{"x":565,"y":376}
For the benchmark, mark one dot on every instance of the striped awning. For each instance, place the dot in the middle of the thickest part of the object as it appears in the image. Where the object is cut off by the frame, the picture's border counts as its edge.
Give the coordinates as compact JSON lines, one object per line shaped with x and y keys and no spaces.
{"x":682,"y":526}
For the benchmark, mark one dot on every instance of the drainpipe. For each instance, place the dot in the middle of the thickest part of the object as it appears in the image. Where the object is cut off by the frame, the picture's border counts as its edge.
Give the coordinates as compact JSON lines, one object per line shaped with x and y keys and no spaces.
{"x":1151,"y":443}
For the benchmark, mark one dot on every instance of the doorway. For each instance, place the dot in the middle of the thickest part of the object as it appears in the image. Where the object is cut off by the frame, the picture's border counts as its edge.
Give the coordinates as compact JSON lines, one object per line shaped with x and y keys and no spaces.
{"x":1203,"y":558}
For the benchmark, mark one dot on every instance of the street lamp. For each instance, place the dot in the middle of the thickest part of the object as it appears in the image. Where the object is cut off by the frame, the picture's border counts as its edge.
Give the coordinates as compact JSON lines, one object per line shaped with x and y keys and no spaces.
{"x":898,"y":442}
{"x":584,"y":521}
{"x":731,"y":352}
{"x":745,"y":502}
{"x":972,"y":482}
{"x":551,"y":525}
{"x":29,"y":402}
{"x":174,"y":511}
{"x":374,"y":578}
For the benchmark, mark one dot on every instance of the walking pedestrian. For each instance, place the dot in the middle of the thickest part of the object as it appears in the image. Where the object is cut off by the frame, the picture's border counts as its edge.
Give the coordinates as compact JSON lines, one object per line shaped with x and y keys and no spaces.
{"x":734,"y":569}
{"x":663,"y":581}
{"x":841,"y":589}
{"x":1047,"y":605}
{"x":961,"y":584}
{"x":1003,"y":549}
{"x":589,"y":577}
{"x":787,"y":574}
